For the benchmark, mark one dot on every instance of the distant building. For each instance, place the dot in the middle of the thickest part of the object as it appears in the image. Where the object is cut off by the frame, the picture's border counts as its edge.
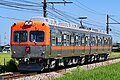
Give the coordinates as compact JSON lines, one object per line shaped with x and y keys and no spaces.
{"x":1,"y":48}
{"x":116,"y":47}
{"x":5,"y":48}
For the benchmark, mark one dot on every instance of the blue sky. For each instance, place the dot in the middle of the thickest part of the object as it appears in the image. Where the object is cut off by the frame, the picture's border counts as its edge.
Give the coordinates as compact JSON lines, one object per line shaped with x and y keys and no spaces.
{"x":94,"y":10}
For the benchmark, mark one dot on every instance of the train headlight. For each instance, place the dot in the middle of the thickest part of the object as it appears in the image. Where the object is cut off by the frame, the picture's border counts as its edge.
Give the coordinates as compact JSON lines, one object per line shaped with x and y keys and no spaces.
{"x":28,"y":23}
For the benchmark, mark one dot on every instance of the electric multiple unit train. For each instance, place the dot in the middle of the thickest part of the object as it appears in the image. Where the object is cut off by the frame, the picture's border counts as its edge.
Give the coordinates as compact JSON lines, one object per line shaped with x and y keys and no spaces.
{"x":43,"y":43}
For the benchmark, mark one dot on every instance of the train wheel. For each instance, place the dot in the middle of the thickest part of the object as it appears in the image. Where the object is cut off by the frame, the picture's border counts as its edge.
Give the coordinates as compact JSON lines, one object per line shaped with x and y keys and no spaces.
{"x":79,"y":60}
{"x":82,"y":60}
{"x":105,"y":57}
{"x":98,"y":57}
{"x":56,"y":63}
{"x":43,"y":65}
{"x":65,"y":61}
{"x":92,"y":58}
{"x":87,"y":59}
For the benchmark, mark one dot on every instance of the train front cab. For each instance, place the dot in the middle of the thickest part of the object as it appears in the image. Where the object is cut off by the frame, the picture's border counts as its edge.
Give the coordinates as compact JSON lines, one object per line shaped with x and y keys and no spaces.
{"x":30,"y":44}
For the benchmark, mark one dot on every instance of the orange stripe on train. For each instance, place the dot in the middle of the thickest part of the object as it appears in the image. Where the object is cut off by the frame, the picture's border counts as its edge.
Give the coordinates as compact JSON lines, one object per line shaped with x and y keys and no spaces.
{"x":79,"y":47}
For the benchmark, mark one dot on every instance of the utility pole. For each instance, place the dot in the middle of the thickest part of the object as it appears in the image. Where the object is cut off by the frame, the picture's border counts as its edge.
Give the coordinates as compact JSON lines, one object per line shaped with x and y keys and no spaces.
{"x":107,"y":24}
{"x":45,"y":6}
{"x":5,"y":38}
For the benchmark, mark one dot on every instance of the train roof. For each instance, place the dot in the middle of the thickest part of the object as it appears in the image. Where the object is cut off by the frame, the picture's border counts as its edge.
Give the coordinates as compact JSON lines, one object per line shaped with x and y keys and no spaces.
{"x":53,"y":22}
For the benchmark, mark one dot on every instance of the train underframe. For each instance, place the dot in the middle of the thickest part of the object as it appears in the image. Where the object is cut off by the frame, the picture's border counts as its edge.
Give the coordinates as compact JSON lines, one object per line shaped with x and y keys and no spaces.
{"x":41,"y":64}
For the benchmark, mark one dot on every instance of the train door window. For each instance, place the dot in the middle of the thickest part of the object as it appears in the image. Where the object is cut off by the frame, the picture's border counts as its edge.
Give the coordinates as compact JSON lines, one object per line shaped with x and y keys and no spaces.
{"x":66,"y":39}
{"x":110,"y":41}
{"x":96,"y":40}
{"x":37,"y":36}
{"x":83,"y":39}
{"x":79,"y":40}
{"x":20,"y":36}
{"x":99,"y":41}
{"x":87,"y":40}
{"x":76,"y":39}
{"x":58,"y":38}
{"x":72,"y":39}
{"x":53,"y":37}
{"x":105,"y":41}
{"x":93,"y":41}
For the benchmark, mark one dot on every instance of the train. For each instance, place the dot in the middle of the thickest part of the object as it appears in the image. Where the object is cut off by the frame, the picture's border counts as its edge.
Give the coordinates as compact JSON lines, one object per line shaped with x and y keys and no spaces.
{"x":44,"y":43}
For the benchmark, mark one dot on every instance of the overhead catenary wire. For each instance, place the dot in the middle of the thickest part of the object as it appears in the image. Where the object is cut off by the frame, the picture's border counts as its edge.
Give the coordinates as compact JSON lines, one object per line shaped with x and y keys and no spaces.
{"x":11,"y":18}
{"x":17,"y":9}
{"x":63,"y":16}
{"x":25,"y":1}
{"x":115,"y":20}
{"x":18,"y":4}
{"x":89,"y":9}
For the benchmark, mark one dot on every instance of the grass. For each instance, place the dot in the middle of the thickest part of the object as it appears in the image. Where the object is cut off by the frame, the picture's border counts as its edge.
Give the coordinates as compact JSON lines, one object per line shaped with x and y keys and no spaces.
{"x":109,"y":72}
{"x":115,"y":54}
{"x":6,"y":57}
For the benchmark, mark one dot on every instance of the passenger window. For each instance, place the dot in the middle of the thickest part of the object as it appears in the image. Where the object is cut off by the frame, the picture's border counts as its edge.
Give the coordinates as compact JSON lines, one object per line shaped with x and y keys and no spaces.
{"x":66,"y":39}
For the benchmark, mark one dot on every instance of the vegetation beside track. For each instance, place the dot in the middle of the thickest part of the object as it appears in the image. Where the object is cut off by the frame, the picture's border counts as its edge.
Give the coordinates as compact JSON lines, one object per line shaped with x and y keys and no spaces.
{"x":115,"y":54}
{"x":109,"y":72}
{"x":7,"y":64}
{"x":4,"y":58}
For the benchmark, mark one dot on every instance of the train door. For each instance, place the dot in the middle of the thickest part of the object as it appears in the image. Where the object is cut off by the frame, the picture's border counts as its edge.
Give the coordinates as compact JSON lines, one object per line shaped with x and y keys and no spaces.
{"x":83,"y":42}
{"x":105,"y":50}
{"x":55,"y":48}
{"x":72,"y":43}
{"x":66,"y":48}
{"x":103,"y":44}
{"x":87,"y":43}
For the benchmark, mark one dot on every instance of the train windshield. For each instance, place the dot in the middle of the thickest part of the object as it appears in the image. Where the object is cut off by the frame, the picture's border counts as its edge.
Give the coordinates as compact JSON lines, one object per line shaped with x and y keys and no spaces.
{"x":20,"y":36}
{"x":36,"y":36}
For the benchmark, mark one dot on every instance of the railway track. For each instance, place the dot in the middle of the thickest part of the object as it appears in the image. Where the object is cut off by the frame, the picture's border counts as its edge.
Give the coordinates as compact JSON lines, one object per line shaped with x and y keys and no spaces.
{"x":46,"y":75}
{"x":15,"y":75}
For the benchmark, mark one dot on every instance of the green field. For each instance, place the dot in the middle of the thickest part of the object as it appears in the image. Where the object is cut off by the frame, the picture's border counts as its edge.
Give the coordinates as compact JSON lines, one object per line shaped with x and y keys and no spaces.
{"x":4,"y":56}
{"x":115,"y":54}
{"x":109,"y":72}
